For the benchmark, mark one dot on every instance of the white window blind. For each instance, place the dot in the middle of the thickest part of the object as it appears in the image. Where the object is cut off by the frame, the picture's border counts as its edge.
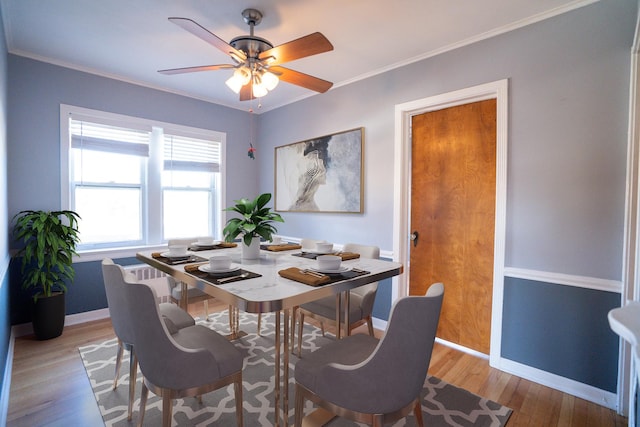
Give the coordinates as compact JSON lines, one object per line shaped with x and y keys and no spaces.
{"x":111,"y":139}
{"x":182,"y":153}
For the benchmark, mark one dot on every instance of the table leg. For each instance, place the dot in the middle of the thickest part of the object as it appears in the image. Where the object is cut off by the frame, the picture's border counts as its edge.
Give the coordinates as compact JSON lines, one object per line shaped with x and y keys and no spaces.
{"x":234,"y":324}
{"x":347,"y":321}
{"x":184,"y":301}
{"x":285,"y":391}
{"x":338,"y":316}
{"x":277,"y":373}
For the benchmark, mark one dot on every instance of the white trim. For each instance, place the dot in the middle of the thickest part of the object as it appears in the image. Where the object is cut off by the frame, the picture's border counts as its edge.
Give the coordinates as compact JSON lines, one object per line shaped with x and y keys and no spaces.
{"x":565,"y":279}
{"x":6,"y":381}
{"x":69,"y":320}
{"x":462,"y":348}
{"x":563,"y":384}
{"x":631,"y":252}
{"x":402,"y":188}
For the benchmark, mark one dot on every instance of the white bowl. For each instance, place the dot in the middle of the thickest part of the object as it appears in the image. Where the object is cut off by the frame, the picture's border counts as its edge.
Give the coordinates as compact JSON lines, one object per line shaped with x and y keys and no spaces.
{"x":220,"y":262}
{"x":328,"y":262}
{"x":276,"y":240}
{"x":205,"y":240}
{"x":324,"y":247}
{"x":177,"y":250}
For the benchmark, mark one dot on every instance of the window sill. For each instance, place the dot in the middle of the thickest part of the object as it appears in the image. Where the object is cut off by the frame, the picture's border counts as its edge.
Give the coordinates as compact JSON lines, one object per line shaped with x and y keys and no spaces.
{"x":125,"y":252}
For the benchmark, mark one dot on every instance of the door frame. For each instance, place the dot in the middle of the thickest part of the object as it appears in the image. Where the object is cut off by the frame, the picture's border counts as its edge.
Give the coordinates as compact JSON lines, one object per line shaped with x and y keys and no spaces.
{"x":402,"y":190}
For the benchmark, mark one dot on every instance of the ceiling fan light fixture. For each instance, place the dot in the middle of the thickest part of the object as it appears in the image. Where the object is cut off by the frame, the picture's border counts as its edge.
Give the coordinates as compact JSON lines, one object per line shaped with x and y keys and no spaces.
{"x":241,"y":76}
{"x":269,"y":80}
{"x":259,"y":89}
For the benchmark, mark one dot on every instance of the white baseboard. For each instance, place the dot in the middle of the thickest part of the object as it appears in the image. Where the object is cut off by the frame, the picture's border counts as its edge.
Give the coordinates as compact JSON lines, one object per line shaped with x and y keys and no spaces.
{"x":565,"y":385}
{"x":69,"y":320}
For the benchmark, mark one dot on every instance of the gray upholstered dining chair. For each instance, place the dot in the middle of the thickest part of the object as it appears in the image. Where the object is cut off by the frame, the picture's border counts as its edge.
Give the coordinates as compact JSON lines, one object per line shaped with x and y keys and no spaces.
{"x":360,"y":301}
{"x":115,"y":278}
{"x":369,"y":380}
{"x":179,"y":363}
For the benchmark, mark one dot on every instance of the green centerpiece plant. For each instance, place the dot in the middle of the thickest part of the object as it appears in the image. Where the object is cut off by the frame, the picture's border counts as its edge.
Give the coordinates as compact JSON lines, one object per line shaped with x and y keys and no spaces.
{"x":255,"y":221}
{"x":49,"y":240}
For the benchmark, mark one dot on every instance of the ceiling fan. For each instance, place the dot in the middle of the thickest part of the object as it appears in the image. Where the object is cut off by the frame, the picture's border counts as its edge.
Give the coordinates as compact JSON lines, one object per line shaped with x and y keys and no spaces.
{"x":256,"y":60}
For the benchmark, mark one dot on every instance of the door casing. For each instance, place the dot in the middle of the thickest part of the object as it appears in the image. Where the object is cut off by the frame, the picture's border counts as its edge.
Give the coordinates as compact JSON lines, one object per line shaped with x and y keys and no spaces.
{"x":402,"y":189}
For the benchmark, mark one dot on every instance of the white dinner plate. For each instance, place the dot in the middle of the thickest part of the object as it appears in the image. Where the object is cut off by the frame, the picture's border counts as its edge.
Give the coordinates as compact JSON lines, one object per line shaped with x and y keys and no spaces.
{"x":206,"y":268}
{"x":167,"y":255}
{"x":214,"y":243}
{"x":342,"y":269}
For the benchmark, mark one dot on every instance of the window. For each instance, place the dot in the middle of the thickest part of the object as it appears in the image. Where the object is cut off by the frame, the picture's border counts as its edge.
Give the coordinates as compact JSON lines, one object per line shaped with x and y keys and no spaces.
{"x":136,"y":182}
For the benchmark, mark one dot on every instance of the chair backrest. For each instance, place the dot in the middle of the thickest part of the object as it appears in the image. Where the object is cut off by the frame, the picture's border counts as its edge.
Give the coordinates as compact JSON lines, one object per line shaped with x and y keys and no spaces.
{"x":114,"y":284}
{"x":162,"y":360}
{"x":309,"y":243}
{"x":183,"y":241}
{"x":368,"y":292}
{"x":401,"y":359}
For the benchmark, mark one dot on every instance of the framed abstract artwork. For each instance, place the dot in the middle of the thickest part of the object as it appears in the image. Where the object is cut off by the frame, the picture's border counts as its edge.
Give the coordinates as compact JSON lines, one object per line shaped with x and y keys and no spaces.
{"x":322,"y":174}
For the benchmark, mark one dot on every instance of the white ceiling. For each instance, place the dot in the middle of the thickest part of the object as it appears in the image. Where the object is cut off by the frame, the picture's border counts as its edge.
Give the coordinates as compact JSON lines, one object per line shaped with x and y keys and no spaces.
{"x":130,"y":40}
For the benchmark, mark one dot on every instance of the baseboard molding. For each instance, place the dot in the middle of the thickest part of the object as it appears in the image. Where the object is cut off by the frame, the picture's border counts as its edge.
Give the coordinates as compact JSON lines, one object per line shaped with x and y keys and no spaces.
{"x":69,"y":320}
{"x":6,"y":382}
{"x":565,"y":385}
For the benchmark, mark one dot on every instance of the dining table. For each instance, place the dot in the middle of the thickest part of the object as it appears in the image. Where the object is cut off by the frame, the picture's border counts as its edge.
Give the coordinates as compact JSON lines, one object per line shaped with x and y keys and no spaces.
{"x":279,"y":281}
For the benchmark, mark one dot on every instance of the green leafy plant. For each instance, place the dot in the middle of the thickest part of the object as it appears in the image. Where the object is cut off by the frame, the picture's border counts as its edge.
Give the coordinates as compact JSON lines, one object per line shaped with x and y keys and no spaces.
{"x":256,"y":220}
{"x":50,"y":240}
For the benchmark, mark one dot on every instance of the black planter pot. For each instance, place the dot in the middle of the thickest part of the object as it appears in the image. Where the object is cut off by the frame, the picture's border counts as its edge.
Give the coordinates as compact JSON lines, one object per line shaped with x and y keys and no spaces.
{"x":48,"y":316}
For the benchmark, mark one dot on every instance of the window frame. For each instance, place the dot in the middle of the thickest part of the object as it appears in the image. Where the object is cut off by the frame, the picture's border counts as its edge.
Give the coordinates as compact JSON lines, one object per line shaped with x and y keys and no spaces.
{"x":153,"y":221}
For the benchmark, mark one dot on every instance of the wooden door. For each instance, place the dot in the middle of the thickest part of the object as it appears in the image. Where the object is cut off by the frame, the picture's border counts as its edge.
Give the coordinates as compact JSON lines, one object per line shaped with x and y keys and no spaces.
{"x":453,"y":184}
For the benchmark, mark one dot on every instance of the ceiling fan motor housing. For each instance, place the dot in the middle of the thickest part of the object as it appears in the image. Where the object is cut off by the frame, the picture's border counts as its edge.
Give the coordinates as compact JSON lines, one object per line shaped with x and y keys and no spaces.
{"x":251,"y":45}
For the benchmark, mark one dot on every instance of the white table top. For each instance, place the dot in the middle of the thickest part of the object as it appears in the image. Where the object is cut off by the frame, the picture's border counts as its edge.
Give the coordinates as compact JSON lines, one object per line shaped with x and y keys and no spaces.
{"x":271,"y":292}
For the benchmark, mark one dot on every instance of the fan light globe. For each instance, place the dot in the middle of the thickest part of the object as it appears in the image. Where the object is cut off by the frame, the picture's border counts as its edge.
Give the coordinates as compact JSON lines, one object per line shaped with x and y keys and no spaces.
{"x":269,"y":80}
{"x":259,"y":90}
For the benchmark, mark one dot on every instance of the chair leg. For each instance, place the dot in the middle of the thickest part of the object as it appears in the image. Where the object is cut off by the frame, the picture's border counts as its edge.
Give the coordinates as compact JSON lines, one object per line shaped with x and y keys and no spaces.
{"x":370,"y":325}
{"x":259,"y":324}
{"x":299,"y":408}
{"x":377,"y":421}
{"x":118,"y":362}
{"x":143,"y":403}
{"x":300,"y":326}
{"x":206,"y":310}
{"x":238,"y":397}
{"x":133,"y":373}
{"x":294,"y":318}
{"x":417,"y":412}
{"x":167,"y":407}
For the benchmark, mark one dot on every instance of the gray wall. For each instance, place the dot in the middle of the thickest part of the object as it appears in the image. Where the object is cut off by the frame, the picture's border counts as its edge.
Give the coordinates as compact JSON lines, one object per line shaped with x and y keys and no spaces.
{"x":568,"y":113}
{"x":5,"y":325}
{"x":35,"y":93}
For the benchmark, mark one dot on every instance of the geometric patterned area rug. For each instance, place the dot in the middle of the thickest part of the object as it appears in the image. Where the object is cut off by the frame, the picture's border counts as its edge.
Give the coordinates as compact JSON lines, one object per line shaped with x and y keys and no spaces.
{"x":442,"y":404}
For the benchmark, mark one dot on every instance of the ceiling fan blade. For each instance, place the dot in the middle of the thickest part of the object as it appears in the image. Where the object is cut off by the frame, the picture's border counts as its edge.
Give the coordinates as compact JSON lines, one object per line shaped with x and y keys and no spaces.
{"x":246,"y":94}
{"x":301,"y":79}
{"x":300,"y":48}
{"x":195,"y":69}
{"x":206,"y":35}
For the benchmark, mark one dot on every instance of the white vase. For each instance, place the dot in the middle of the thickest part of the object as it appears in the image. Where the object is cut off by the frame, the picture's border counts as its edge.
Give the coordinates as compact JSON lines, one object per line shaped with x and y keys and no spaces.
{"x":251,"y":251}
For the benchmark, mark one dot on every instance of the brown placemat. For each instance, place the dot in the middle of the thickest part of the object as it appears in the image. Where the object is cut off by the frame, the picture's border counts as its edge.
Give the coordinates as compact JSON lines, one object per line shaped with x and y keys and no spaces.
{"x":278,"y":248}
{"x":317,"y":279}
{"x":221,"y":245}
{"x":214,"y":278}
{"x":344,"y":255}
{"x":178,"y":260}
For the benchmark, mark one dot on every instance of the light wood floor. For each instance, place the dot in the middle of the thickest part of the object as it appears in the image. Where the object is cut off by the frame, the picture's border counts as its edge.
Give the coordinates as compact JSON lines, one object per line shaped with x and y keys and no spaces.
{"x":49,"y":385}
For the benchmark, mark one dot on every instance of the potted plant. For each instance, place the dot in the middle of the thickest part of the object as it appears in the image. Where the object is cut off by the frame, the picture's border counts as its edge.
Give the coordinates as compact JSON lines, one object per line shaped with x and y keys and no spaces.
{"x":256,"y":220}
{"x":50,"y":240}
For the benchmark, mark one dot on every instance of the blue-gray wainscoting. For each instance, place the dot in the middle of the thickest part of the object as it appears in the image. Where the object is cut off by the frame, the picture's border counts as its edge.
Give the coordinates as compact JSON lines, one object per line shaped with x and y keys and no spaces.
{"x":562,"y":330}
